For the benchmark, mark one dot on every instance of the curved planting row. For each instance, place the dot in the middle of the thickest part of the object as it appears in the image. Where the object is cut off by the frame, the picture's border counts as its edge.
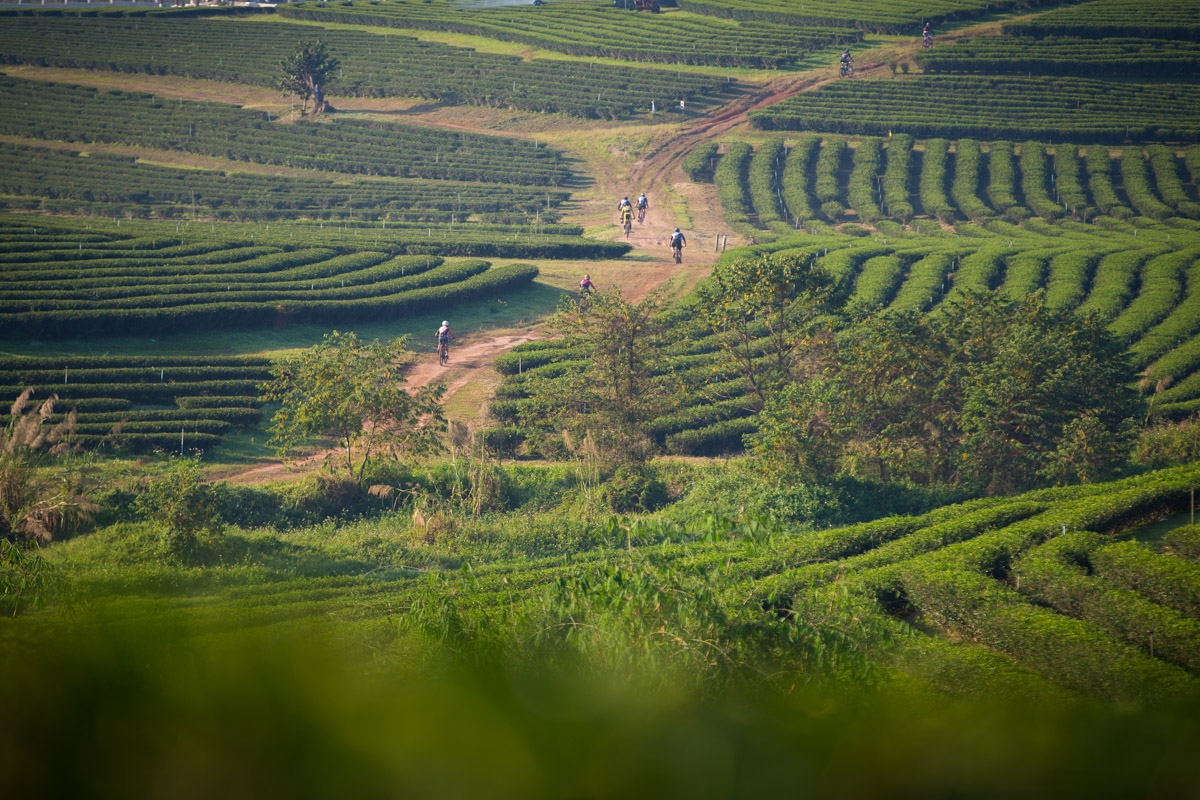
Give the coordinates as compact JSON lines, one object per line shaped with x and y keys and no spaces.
{"x":79,"y":114}
{"x":102,"y":183}
{"x":888,"y":178}
{"x":593,"y":29}
{"x":73,"y":292}
{"x":36,"y":242}
{"x":372,"y":65}
{"x":140,"y":404}
{"x":994,"y":108}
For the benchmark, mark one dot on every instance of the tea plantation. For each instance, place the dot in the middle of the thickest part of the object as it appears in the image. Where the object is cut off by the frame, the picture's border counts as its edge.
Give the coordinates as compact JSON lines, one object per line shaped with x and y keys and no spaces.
{"x":885,"y":487}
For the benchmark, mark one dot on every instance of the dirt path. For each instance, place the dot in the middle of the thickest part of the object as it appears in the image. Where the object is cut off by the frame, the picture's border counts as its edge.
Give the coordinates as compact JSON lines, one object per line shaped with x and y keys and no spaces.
{"x":474,"y":354}
{"x":656,"y":165}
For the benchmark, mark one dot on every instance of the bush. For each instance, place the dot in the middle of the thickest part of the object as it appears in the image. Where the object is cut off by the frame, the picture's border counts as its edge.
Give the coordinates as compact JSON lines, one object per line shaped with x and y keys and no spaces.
{"x":634,"y":488}
{"x":700,"y":162}
{"x":185,"y":506}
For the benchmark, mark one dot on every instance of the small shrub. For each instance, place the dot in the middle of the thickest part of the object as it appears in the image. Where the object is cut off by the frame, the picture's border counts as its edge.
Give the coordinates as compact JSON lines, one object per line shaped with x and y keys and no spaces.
{"x":634,"y":488}
{"x":184,"y":506}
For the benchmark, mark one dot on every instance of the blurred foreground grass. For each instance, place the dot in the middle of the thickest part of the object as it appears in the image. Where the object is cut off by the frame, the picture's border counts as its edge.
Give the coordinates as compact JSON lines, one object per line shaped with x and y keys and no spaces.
{"x":98,"y":709}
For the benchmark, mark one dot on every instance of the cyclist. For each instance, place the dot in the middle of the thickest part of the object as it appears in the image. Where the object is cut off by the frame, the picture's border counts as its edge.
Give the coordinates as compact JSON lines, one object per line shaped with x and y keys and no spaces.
{"x":846,"y":62}
{"x":627,"y":219}
{"x":586,"y":287}
{"x":677,"y":244}
{"x":444,"y":335}
{"x":642,"y":205}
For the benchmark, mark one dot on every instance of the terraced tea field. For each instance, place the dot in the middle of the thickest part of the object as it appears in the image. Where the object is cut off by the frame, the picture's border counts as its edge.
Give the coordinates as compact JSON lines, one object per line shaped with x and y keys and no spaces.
{"x":353,"y":146}
{"x":1046,"y":109}
{"x":167,"y":403}
{"x":598,"y":29}
{"x":246,"y":52}
{"x":789,"y":182}
{"x":53,"y":287}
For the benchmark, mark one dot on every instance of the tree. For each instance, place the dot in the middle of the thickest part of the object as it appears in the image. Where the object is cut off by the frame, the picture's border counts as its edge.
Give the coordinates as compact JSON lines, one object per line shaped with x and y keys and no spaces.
{"x":352,"y":391}
{"x":306,"y":73}
{"x":612,"y":398}
{"x":988,"y":393}
{"x":768,"y":312}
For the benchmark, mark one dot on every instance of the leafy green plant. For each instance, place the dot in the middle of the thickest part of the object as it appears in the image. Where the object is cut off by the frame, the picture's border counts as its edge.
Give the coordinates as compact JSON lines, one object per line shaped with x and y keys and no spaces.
{"x":184,"y":506}
{"x":351,"y":391}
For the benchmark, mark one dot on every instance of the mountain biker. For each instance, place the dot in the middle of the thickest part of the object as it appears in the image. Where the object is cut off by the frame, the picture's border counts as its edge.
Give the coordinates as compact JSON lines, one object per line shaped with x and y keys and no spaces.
{"x":845,"y":60}
{"x":677,"y":243}
{"x":626,"y":217}
{"x":586,"y":286}
{"x":624,"y":204}
{"x":444,"y":335}
{"x":642,"y":203}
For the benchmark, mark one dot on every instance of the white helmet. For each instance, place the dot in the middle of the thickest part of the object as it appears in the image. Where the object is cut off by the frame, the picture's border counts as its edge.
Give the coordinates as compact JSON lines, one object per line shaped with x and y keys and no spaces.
{"x":446,"y":322}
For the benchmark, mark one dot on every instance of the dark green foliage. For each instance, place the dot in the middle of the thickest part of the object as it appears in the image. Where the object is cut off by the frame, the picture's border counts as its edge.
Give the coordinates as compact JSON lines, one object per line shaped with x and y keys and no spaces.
{"x":634,"y":488}
{"x":978,"y":395}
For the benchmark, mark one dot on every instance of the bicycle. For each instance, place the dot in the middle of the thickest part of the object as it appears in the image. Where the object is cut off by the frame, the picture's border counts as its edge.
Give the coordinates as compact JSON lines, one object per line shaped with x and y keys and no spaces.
{"x":847,"y":70}
{"x":678,"y":254}
{"x":641,"y":215}
{"x":443,"y":351}
{"x":627,"y":226}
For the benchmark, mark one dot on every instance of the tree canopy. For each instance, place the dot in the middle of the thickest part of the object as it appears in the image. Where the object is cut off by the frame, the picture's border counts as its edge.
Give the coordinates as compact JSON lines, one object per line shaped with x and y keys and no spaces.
{"x":352,"y":391}
{"x":306,"y":74}
{"x":990,"y":393}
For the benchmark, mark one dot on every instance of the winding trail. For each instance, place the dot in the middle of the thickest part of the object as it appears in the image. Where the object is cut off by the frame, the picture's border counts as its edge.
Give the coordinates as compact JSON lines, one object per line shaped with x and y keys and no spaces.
{"x":650,"y":238}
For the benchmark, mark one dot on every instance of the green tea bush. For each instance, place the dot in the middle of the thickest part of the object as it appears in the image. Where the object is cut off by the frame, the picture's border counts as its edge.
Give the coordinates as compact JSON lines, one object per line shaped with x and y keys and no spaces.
{"x":1137,"y":185}
{"x":699,"y":162}
{"x":933,"y":180}
{"x":1170,"y":581}
{"x":797,"y":170}
{"x":897,"y":177}
{"x":964,"y":189}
